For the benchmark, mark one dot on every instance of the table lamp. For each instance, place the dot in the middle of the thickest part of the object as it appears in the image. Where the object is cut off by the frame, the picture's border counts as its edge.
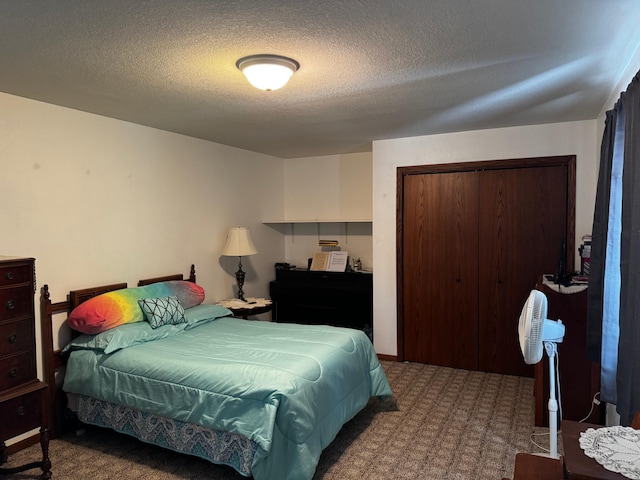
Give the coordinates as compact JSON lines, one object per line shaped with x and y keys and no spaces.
{"x":239,"y":245}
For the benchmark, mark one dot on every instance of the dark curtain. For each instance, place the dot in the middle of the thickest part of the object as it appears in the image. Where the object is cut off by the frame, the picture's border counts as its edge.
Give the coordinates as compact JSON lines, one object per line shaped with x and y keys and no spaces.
{"x":628,"y":377}
{"x":595,"y":294}
{"x":624,"y":120}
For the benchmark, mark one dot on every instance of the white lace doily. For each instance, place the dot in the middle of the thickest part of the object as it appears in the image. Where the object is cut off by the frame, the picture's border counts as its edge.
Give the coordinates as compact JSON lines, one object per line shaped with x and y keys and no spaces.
{"x":615,"y":448}
{"x":251,"y":302}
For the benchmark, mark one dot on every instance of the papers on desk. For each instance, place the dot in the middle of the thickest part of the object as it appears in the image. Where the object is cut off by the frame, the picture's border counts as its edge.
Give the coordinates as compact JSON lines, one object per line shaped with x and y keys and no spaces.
{"x":335,"y":261}
{"x":615,"y":448}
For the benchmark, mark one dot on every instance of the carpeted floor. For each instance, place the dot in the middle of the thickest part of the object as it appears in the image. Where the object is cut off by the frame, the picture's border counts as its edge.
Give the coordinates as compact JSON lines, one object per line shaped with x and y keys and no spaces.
{"x":441,"y":424}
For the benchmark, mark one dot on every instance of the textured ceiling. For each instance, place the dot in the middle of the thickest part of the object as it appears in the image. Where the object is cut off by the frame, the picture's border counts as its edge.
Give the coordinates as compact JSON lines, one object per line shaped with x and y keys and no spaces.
{"x":369,"y":69}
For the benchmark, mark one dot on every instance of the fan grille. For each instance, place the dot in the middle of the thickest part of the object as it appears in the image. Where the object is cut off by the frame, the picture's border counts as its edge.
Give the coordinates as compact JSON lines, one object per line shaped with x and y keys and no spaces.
{"x":530,"y":325}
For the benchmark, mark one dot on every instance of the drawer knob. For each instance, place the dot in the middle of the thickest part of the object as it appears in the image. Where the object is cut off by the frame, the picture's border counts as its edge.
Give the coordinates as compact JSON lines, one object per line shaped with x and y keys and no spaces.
{"x":13,"y":372}
{"x":13,"y":338}
{"x":9,"y":275}
{"x":10,"y":304}
{"x":21,"y":411}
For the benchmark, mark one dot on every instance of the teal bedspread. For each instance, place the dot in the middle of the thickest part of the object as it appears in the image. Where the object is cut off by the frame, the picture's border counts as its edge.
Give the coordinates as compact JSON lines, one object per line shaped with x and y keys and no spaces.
{"x":287,"y":387}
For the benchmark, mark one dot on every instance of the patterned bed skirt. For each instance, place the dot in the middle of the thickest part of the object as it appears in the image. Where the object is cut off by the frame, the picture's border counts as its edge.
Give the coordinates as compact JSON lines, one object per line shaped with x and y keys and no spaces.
{"x":213,"y":445}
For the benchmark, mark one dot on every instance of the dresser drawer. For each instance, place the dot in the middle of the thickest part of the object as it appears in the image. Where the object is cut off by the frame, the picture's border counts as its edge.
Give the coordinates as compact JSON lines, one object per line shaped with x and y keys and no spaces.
{"x":21,"y":414}
{"x":16,"y":302}
{"x":16,"y":336}
{"x":17,"y":369}
{"x":15,"y":274}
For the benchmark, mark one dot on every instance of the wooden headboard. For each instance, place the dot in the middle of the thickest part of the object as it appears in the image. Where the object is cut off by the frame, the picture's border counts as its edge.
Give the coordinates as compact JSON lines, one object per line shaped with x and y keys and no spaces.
{"x":52,"y":359}
{"x":148,"y":281}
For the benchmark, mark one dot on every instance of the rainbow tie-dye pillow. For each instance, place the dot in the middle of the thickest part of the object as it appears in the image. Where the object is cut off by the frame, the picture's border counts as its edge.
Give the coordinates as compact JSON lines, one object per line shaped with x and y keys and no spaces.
{"x":121,"y":306}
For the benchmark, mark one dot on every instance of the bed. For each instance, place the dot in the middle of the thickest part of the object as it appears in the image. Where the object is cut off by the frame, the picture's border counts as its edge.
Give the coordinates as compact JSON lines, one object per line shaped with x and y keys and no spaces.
{"x":264,"y":398}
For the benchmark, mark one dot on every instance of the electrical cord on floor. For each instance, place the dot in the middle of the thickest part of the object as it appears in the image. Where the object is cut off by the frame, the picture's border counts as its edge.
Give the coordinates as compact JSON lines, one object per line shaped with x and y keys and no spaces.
{"x":545,"y":434}
{"x":594,"y":401}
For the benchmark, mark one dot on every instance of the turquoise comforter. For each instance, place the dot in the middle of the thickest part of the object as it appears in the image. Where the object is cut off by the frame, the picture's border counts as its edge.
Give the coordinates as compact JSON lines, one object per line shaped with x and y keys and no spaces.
{"x":287,"y":387}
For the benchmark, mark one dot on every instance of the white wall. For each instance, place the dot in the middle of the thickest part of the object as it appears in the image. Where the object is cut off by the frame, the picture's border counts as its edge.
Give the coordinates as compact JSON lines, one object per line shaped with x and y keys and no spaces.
{"x":327,"y":187}
{"x":632,"y":69}
{"x":574,"y":138}
{"x":99,"y":201}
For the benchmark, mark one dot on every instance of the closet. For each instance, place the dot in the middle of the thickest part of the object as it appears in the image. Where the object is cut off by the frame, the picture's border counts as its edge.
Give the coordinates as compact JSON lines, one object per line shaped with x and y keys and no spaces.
{"x":473,"y":239}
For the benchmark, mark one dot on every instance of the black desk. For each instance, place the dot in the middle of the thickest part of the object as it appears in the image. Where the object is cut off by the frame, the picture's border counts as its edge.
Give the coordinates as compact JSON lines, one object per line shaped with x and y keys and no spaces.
{"x":323,"y":298}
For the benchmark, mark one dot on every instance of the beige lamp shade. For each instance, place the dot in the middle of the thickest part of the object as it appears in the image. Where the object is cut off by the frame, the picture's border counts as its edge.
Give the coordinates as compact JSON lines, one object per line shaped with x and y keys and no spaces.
{"x":239,"y":243}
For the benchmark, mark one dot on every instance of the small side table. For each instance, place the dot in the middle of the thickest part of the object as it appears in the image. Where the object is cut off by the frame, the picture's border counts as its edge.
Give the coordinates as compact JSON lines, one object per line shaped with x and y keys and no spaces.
{"x":252,"y":306}
{"x":534,"y":467}
{"x":23,"y":409}
{"x":577,"y":464}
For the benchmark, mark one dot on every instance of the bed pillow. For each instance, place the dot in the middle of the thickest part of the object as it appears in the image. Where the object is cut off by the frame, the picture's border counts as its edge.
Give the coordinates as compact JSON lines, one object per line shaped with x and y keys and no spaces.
{"x":121,"y":337}
{"x":204,"y":313}
{"x":115,"y":308}
{"x":162,"y":311}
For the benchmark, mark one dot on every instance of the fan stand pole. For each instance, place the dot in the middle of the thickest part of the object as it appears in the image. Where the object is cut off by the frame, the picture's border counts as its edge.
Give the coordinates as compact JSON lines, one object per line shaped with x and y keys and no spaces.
{"x":551,"y":347}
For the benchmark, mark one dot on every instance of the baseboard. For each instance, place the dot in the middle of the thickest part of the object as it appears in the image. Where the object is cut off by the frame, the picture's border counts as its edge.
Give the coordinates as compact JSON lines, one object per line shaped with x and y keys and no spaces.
{"x":389,"y":358}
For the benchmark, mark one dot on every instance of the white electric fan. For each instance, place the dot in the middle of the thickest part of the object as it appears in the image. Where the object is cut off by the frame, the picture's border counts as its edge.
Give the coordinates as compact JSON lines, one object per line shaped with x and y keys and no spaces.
{"x":534,"y":331}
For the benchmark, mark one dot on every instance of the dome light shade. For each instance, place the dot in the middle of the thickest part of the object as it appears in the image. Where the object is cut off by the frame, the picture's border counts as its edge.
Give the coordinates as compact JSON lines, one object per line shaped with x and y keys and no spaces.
{"x":267,"y":72}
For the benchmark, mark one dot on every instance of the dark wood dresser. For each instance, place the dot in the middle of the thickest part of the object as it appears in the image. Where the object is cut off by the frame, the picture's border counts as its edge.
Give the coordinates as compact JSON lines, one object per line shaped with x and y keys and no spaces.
{"x":323,"y":298}
{"x":579,"y":377}
{"x":23,"y":398}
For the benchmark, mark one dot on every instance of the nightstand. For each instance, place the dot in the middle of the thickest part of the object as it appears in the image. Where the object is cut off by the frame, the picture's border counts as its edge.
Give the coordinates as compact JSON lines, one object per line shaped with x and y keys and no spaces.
{"x":577,"y":464}
{"x":529,"y":466}
{"x":23,"y":398}
{"x":24,"y":409}
{"x":252,"y":306}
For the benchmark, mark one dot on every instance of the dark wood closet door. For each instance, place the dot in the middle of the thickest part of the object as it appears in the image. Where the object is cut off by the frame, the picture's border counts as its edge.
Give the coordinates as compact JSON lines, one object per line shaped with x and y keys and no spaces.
{"x":523,"y":220}
{"x":440,"y":274}
{"x":473,"y":238}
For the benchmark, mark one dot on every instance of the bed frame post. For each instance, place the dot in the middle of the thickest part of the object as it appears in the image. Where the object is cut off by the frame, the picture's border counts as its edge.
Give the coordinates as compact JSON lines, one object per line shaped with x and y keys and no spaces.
{"x":192,"y":273}
{"x":47,"y":338}
{"x":51,"y":360}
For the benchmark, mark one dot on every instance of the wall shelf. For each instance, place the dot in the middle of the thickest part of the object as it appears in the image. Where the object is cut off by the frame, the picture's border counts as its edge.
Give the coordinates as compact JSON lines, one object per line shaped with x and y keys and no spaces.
{"x":317,"y":220}
{"x":292,"y":227}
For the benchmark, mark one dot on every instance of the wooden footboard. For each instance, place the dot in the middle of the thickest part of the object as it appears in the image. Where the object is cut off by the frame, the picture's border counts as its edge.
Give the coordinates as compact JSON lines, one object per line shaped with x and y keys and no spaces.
{"x":52,"y":360}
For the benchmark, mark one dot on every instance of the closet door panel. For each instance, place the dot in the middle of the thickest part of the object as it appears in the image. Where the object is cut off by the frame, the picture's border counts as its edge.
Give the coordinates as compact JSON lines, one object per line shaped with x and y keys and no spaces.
{"x":522,"y":225}
{"x":440,"y":274}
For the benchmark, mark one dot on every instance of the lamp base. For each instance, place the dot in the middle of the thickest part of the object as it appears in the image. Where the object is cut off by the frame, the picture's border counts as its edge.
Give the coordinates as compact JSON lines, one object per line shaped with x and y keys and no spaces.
{"x":240,"y":281}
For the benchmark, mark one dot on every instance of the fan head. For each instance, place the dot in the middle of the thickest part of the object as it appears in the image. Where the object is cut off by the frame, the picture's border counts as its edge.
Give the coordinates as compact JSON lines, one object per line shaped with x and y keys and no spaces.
{"x":534,"y":327}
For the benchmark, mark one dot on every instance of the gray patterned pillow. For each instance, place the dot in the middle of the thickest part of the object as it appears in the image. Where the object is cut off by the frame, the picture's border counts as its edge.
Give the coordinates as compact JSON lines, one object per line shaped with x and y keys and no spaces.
{"x":162,"y":311}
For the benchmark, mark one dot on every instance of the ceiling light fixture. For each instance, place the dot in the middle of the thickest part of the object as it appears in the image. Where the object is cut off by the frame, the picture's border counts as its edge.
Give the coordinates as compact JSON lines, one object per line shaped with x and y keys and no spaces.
{"x":267,"y":72}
